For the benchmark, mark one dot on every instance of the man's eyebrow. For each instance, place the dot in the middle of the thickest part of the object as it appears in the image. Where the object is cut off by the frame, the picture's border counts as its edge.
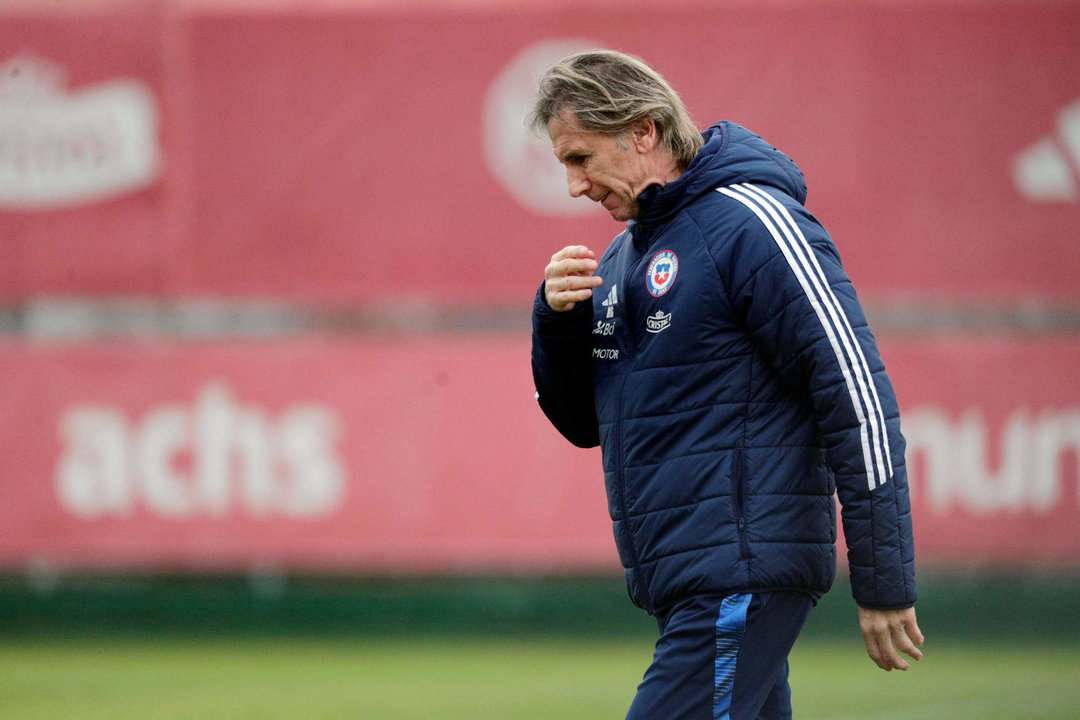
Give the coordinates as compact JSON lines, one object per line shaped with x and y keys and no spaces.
{"x":569,"y":152}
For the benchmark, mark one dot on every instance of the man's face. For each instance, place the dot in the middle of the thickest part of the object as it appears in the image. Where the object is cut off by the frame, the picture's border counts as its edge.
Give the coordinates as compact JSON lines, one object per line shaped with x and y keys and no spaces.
{"x":608,"y":169}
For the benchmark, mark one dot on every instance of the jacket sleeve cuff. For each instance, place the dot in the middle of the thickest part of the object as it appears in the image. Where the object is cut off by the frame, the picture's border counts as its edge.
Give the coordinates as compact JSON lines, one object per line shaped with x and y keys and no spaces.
{"x":547,"y":322}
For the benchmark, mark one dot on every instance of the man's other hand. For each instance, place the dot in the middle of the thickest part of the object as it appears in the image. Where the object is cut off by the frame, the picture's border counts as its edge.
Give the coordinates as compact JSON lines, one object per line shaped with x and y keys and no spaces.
{"x":887,"y":633}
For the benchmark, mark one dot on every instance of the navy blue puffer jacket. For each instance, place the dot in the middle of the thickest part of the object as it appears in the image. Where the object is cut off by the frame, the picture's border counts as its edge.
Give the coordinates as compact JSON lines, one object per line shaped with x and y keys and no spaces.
{"x":727,"y":372}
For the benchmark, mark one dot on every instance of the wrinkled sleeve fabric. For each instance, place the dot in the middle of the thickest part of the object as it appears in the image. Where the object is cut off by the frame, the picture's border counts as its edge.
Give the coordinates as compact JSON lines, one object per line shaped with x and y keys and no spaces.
{"x":786,"y":280}
{"x":562,"y":369}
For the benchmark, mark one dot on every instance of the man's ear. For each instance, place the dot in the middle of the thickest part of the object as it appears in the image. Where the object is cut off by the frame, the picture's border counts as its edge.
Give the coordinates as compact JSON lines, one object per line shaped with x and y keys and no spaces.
{"x":643,"y":135}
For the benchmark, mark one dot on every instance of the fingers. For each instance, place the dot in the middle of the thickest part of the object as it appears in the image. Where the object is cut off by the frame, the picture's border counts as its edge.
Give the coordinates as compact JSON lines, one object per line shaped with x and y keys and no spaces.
{"x":569,"y":277}
{"x":914,"y":632}
{"x":887,"y":633}
{"x":883,"y":653}
{"x":573,"y":260}
{"x":573,"y":251}
{"x":907,"y":639}
{"x":878,"y":654}
{"x":562,"y":300}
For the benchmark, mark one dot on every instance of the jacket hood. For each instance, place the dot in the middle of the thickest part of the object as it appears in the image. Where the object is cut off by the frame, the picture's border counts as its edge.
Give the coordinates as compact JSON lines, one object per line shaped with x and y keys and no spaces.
{"x":731,"y":154}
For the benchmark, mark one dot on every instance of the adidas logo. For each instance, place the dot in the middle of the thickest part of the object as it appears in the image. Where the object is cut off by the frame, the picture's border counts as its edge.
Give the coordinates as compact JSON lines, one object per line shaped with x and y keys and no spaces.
{"x":1049,"y":170}
{"x":611,"y":301}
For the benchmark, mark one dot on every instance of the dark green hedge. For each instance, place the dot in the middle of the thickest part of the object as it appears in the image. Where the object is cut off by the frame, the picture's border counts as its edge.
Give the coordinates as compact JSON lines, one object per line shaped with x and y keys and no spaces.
{"x":1041,"y":607}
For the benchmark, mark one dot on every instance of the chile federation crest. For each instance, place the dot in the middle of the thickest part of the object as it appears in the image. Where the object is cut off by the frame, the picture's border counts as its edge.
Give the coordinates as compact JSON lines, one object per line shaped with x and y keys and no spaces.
{"x":660,"y":276}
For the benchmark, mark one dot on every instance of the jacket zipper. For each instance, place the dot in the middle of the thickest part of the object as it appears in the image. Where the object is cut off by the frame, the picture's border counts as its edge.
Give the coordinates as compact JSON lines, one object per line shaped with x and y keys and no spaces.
{"x":620,"y":480}
{"x":740,"y":510}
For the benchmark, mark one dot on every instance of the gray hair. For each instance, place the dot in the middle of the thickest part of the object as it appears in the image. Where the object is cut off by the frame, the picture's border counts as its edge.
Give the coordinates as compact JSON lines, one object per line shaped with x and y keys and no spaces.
{"x":608,"y":91}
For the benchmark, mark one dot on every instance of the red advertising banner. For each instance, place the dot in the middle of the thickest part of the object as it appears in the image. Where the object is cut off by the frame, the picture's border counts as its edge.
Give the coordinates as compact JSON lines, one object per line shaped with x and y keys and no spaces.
{"x":85,"y":138}
{"x":371,"y":152}
{"x":993,"y":448}
{"x":391,"y":455}
{"x":429,"y":454}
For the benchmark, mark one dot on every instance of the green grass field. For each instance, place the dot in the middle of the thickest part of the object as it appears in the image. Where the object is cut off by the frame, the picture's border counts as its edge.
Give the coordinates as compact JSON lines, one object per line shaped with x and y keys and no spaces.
{"x":494,"y":679}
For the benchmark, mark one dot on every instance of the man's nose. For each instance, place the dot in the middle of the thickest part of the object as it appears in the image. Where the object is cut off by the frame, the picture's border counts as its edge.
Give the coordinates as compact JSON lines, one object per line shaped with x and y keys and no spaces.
{"x":576,"y":181}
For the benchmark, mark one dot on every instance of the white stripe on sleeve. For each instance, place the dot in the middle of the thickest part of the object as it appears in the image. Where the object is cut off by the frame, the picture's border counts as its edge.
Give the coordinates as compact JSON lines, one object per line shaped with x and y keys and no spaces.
{"x":848,"y":334}
{"x":852,"y":362}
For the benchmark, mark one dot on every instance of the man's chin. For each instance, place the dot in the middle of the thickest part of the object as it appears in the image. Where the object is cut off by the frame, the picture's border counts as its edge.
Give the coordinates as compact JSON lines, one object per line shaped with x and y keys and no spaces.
{"x":623,"y":214}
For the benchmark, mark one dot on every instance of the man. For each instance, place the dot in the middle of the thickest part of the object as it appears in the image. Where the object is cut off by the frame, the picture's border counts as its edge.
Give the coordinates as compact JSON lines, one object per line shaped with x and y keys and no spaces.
{"x":718,"y":355}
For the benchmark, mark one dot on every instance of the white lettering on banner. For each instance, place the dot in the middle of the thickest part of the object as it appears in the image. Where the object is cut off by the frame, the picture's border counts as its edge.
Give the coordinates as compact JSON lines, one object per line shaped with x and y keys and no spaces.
{"x":208,"y":460}
{"x":60,"y":149}
{"x":1047,"y":170}
{"x":949,"y":461}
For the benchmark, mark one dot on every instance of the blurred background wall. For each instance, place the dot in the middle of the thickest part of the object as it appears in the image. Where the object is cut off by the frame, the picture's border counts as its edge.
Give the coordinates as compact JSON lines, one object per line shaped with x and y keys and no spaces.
{"x":267,"y":269}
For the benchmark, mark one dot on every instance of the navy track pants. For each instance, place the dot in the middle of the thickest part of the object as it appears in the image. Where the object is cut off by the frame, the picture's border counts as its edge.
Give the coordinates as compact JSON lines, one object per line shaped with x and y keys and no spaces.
{"x":723,"y":658}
